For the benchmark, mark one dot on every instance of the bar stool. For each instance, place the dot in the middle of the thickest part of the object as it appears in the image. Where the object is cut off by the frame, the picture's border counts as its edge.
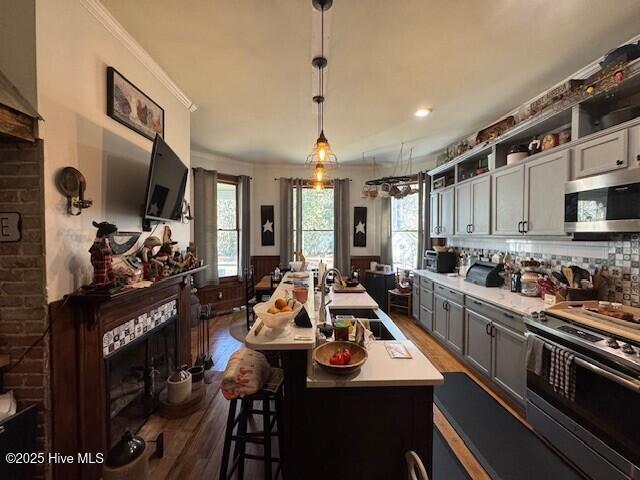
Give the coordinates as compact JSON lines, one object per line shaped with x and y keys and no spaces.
{"x":270,"y":418}
{"x":399,"y":300}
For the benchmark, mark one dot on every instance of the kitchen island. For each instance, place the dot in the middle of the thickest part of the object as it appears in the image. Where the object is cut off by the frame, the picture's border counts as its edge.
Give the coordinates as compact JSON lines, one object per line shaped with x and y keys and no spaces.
{"x":359,"y":425}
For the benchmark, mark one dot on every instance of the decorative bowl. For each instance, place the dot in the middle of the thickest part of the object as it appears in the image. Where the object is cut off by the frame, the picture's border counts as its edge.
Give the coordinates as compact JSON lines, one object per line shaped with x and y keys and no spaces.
{"x":276,"y":321}
{"x":324,"y":352}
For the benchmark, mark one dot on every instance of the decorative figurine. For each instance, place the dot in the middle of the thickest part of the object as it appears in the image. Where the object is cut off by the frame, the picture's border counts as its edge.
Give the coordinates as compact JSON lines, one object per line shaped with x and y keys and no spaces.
{"x":146,"y":253}
{"x":102,"y":255}
{"x":535,"y":146}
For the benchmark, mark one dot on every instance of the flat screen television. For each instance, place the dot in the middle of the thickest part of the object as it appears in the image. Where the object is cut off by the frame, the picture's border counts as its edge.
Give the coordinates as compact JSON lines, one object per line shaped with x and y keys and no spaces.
{"x":166,"y":184}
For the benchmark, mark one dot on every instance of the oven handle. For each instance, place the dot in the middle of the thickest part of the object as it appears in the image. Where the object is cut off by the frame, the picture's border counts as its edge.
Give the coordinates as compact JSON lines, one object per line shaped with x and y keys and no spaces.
{"x":621,"y":379}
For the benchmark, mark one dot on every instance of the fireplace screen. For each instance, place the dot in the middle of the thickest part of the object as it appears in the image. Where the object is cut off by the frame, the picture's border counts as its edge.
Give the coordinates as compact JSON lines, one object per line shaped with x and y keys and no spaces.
{"x":136,"y":375}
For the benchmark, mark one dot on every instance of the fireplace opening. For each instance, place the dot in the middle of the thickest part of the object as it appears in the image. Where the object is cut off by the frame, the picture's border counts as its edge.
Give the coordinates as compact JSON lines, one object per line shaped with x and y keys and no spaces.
{"x":137,"y":368}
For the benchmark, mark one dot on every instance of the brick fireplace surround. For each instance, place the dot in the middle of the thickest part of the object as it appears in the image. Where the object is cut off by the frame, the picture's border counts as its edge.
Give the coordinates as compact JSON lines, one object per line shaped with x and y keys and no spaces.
{"x":23,"y":313}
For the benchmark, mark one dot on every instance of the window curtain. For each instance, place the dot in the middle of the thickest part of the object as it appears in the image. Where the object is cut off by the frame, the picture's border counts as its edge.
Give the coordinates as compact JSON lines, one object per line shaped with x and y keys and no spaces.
{"x":386,"y":250}
{"x":424,"y":196}
{"x":341,"y":226}
{"x":286,"y":220}
{"x":206,"y":224}
{"x":298,"y":185}
{"x":244,"y":209}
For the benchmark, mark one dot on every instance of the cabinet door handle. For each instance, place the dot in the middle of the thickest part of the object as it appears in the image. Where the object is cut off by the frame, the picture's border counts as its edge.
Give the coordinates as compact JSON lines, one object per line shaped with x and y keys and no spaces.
{"x":487,"y":327}
{"x":493,"y":330}
{"x":525,"y":226}
{"x":638,"y":157}
{"x":471,"y":228}
{"x":508,"y":315}
{"x":619,"y":162}
{"x":520,"y":226}
{"x":476,"y":302}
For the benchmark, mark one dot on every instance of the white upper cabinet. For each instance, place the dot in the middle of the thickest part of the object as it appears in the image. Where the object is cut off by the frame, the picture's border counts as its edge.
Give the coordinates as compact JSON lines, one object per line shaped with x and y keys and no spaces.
{"x":472,"y":207}
{"x":463,"y":209}
{"x":508,"y":200}
{"x":544,"y":194}
{"x":434,"y":214}
{"x":602,"y":154}
{"x":481,"y":206}
{"x":447,"y":215}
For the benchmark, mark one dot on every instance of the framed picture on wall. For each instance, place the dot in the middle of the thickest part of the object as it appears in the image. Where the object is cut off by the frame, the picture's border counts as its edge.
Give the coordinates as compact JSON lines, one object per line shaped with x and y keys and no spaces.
{"x":359,"y":226}
{"x":267,"y":223}
{"x":128,"y":105}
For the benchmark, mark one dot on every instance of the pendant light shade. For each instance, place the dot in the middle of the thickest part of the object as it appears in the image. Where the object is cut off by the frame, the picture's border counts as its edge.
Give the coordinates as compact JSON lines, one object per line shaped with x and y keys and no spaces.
{"x":321,"y":157}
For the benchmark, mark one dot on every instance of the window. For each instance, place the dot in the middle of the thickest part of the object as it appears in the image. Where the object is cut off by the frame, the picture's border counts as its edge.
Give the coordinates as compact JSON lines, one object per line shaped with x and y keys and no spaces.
{"x":404,"y":231}
{"x":317,"y":225}
{"x":228,"y":233}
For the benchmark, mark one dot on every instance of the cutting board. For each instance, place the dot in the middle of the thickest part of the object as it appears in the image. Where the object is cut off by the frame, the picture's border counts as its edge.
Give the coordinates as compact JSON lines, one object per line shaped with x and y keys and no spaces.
{"x":597,"y":321}
{"x":357,"y":289}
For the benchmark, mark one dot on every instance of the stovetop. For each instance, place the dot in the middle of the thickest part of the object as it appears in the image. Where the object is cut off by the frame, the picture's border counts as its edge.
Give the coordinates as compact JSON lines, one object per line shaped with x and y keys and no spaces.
{"x":617,"y":349}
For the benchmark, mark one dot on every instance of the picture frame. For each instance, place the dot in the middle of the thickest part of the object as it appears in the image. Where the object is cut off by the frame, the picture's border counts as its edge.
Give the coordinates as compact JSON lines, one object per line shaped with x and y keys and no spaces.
{"x":130,"y":106}
{"x":359,"y":226}
{"x":267,"y":226}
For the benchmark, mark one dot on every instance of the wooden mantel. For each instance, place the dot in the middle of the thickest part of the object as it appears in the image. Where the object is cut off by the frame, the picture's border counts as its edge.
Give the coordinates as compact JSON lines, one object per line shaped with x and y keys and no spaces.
{"x":18,"y":119}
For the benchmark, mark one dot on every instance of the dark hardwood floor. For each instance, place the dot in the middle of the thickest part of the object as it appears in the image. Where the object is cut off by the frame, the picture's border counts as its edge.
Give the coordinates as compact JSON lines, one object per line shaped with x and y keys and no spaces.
{"x":193,"y":445}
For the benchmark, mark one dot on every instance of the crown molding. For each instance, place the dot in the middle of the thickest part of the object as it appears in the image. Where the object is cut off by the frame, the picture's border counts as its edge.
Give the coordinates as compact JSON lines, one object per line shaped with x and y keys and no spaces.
{"x":116,"y":29}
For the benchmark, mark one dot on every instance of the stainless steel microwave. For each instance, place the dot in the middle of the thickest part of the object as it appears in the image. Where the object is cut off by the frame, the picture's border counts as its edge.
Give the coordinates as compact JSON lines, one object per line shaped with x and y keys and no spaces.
{"x":605,"y":203}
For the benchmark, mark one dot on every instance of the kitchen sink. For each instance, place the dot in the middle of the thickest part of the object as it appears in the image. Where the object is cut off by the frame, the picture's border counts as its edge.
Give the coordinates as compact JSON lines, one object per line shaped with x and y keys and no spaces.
{"x":380,"y":331}
{"x":356,"y":312}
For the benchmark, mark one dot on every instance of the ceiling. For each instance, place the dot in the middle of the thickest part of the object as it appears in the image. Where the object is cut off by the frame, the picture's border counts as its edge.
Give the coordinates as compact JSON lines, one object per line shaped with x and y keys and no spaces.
{"x":247,"y":65}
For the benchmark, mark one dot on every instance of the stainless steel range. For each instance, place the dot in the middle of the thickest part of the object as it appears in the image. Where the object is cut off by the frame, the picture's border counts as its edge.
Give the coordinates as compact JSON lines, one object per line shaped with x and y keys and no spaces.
{"x":595,"y":419}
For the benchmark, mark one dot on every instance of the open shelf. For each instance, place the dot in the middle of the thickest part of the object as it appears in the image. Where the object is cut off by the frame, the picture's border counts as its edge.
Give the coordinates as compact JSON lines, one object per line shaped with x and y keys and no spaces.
{"x":444,"y":178}
{"x":594,"y":113}
{"x":553,"y":124}
{"x":475,"y":164}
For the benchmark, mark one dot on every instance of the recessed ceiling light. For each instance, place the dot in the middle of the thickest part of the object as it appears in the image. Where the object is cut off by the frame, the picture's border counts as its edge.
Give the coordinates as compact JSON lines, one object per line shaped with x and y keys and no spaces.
{"x":422,"y":112}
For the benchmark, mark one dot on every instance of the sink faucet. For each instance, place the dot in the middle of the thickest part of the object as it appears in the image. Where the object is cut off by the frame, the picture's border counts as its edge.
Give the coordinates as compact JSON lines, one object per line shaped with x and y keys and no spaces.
{"x":322,"y":314}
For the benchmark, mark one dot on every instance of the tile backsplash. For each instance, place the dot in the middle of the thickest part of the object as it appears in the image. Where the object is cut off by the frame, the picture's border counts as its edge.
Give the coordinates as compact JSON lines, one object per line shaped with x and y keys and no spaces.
{"x":619,"y":258}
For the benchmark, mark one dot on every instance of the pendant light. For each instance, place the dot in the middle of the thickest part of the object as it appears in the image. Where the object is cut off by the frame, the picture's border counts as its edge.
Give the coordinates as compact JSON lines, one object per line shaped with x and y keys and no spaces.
{"x":321,"y":157}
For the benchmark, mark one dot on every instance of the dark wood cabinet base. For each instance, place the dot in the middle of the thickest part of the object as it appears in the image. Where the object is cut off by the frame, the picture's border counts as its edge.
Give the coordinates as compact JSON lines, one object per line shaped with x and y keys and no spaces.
{"x":352,"y":432}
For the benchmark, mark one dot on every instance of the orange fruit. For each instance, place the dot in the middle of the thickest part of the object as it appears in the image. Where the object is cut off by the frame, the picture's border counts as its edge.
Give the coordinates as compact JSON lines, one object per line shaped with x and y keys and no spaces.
{"x":280,"y":303}
{"x":273,"y":310}
{"x":286,"y":308}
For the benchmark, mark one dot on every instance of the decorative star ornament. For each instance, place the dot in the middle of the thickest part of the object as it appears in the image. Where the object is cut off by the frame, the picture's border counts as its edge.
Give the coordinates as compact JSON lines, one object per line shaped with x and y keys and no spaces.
{"x":154,"y":209}
{"x":267,"y":227}
{"x":360,"y":227}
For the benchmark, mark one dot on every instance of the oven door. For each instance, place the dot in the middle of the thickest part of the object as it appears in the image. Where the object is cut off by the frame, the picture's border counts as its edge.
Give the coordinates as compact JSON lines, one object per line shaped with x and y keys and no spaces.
{"x":607,"y":203}
{"x":606,"y":405}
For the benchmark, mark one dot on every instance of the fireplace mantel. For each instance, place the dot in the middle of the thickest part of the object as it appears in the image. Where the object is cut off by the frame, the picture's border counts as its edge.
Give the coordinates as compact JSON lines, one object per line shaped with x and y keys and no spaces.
{"x":80,"y":410}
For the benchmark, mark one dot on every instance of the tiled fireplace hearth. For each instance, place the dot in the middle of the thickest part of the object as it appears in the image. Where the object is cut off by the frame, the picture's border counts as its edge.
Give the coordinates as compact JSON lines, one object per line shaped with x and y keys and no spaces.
{"x":112,"y":355}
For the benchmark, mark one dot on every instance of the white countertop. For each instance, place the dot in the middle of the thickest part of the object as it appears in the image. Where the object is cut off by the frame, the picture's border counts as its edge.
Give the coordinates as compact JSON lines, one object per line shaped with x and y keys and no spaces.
{"x":351,"y":300}
{"x":380,"y":370}
{"x":264,"y":341}
{"x":497,"y":296}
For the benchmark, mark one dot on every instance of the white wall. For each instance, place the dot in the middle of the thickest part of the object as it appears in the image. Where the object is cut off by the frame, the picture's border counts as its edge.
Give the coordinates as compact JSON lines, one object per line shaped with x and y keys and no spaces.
{"x":18,"y":45}
{"x":73,"y":52}
{"x":265,"y":191}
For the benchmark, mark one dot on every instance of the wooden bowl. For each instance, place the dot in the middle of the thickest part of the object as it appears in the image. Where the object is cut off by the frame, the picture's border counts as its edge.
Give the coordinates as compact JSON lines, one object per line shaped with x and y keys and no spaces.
{"x":324,"y":352}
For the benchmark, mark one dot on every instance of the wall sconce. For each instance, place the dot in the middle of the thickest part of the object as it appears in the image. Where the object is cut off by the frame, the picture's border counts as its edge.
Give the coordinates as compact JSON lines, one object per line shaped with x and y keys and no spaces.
{"x":72,"y":185}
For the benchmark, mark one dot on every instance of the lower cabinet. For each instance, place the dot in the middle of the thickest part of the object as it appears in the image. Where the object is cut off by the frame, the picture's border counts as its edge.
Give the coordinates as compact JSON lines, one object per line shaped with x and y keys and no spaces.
{"x":440,"y":317}
{"x":415,"y":299}
{"x":455,"y":331}
{"x":426,"y":318}
{"x":478,"y":352}
{"x":509,"y":353}
{"x":448,"y":322}
{"x":496,"y":351}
